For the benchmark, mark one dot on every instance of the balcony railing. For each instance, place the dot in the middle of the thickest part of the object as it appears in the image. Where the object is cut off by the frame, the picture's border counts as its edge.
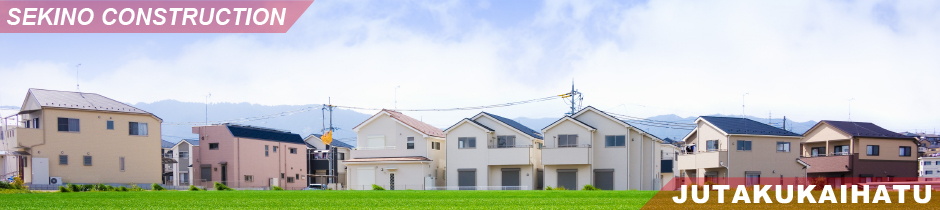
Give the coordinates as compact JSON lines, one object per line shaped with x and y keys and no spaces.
{"x":569,"y":146}
{"x":509,"y":146}
{"x":375,"y":148}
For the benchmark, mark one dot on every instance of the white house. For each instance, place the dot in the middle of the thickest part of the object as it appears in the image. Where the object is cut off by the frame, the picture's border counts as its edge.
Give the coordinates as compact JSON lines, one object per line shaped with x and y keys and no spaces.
{"x":396,"y":152}
{"x":929,"y":169}
{"x":592,"y":147}
{"x":182,"y":153}
{"x":488,"y":151}
{"x":318,"y":162}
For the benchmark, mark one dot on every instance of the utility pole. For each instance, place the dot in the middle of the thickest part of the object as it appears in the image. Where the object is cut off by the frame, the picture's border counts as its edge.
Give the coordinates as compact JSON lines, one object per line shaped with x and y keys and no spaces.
{"x":574,"y":93}
{"x":332,"y":150}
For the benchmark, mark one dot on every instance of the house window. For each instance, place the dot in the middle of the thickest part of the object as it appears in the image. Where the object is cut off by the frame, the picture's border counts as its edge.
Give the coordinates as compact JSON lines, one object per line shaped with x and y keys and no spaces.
{"x":569,"y":140}
{"x":274,"y":148}
{"x":751,"y":178}
{"x":265,"y":150}
{"x":818,"y":151}
{"x":184,"y":155}
{"x":873,"y":150}
{"x":63,"y":159}
{"x":27,"y":123}
{"x":937,"y":163}
{"x":744,"y":145}
{"x":296,"y":176}
{"x":411,"y":142}
{"x":841,"y":150}
{"x":282,"y":175}
{"x":249,"y":178}
{"x":905,"y":151}
{"x":292,"y":150}
{"x":87,"y":160}
{"x":36,"y":122}
{"x":711,"y":145}
{"x":928,"y":172}
{"x":927,"y":163}
{"x":783,"y":146}
{"x":121,"y":164}
{"x":68,"y":124}
{"x":290,"y":179}
{"x":615,"y":141}
{"x":466,"y":142}
{"x":505,"y":141}
{"x":184,"y":177}
{"x":213,"y":146}
{"x":342,"y":156}
{"x":137,"y":129}
{"x":110,"y":125}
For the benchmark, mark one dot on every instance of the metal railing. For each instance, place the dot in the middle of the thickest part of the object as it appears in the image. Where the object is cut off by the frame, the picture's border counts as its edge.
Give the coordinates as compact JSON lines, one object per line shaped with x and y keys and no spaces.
{"x":568,"y":146}
{"x":509,"y":146}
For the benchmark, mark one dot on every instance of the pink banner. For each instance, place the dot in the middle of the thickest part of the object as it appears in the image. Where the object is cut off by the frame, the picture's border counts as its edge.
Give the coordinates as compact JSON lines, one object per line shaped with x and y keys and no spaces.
{"x":150,"y":16}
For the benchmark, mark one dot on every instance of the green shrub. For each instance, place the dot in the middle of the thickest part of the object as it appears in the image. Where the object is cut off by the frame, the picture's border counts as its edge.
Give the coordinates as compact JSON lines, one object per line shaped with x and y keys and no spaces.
{"x":121,"y":188}
{"x":18,"y":183}
{"x":193,"y":188}
{"x":87,"y":187}
{"x":5,"y":185}
{"x":376,"y":187}
{"x":63,"y":189}
{"x":589,"y":187}
{"x":220,"y":186}
{"x":74,"y":188}
{"x":101,"y":187}
{"x":548,"y":187}
{"x":157,"y":187}
{"x":276,"y":188}
{"x":134,"y":187}
{"x":560,"y":188}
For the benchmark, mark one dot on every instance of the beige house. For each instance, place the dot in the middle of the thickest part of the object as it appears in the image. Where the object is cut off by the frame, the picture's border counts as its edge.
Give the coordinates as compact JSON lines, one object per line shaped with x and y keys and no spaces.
{"x":318,"y":162}
{"x":80,"y":138}
{"x":739,"y":151}
{"x":592,"y":147}
{"x":857,"y":152}
{"x":492,"y":152}
{"x":396,"y":152}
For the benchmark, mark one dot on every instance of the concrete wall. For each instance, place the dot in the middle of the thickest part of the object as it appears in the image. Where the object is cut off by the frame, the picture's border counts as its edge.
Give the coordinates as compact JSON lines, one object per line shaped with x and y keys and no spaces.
{"x":408,"y":175}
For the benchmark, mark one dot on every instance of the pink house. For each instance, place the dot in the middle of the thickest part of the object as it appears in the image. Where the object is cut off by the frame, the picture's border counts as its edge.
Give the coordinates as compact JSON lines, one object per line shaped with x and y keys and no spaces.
{"x":241,"y":156}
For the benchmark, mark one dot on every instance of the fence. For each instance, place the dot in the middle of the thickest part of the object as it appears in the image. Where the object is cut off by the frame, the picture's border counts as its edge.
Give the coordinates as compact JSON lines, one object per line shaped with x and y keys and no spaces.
{"x":479,"y":188}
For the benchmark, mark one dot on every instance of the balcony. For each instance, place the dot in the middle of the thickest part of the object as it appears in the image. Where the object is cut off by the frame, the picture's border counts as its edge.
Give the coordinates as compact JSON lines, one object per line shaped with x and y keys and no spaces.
{"x":826,"y":164}
{"x":320,"y":164}
{"x":509,"y":155}
{"x":567,"y":155}
{"x":23,"y":136}
{"x":711,"y":159}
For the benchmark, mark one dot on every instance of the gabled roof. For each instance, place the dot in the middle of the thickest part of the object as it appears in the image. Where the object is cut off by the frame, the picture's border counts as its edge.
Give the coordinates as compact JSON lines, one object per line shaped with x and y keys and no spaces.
{"x":576,"y":121}
{"x":259,"y":133}
{"x":608,"y":116}
{"x":468,"y":120}
{"x":77,"y":100}
{"x":862,"y":129}
{"x":381,"y":159}
{"x":513,"y":124}
{"x":417,"y":125}
{"x":744,"y":126}
{"x":166,"y":144}
{"x":194,"y":142}
{"x":338,"y":143}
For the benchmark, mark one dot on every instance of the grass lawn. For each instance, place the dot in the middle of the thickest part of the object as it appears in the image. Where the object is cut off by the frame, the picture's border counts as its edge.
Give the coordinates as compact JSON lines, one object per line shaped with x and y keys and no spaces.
{"x":330,"y":199}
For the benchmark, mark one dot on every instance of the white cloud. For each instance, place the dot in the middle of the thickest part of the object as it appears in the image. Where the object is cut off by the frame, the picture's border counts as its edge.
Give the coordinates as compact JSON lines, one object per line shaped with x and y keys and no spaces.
{"x":803,"y":59}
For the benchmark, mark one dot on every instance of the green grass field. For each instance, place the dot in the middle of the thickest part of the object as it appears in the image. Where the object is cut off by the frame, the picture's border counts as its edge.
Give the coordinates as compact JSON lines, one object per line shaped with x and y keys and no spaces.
{"x":329,"y":199}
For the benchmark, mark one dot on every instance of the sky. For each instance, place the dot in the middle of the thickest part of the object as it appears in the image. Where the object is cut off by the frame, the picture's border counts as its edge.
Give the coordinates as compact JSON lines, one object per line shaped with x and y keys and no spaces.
{"x":808,"y":60}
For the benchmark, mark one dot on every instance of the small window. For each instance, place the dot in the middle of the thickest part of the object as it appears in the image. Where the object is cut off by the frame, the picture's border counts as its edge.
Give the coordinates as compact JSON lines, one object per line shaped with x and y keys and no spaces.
{"x":570,"y":140}
{"x":63,"y":159}
{"x":937,"y":163}
{"x":744,"y":145}
{"x":265,"y":150}
{"x":282,"y":175}
{"x":137,"y":129}
{"x":292,"y":150}
{"x":296,"y":176}
{"x":505,"y":141}
{"x":615,"y":141}
{"x":927,"y":163}
{"x":121,"y":164}
{"x":68,"y":124}
{"x":712,"y":145}
{"x":213,"y":146}
{"x":184,"y":155}
{"x":818,"y":151}
{"x":87,"y":160}
{"x":290,"y":179}
{"x":466,"y":142}
{"x":342,"y":156}
{"x":27,"y":123}
{"x":411,"y":142}
{"x":905,"y":151}
{"x":274,"y":148}
{"x":110,"y":125}
{"x":873,"y":150}
{"x":928,"y":172}
{"x":249,"y":178}
{"x":783,"y":146}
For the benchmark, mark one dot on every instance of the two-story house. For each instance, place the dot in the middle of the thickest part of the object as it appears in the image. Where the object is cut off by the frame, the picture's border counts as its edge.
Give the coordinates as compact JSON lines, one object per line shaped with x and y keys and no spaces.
{"x":242,"y":156}
{"x":492,"y":152}
{"x":181,"y":167}
{"x":593,"y":147}
{"x":318,"y":161}
{"x":669,"y":154}
{"x":166,"y":152}
{"x":929,"y":168}
{"x":740,"y":151}
{"x":854,"y":152}
{"x":82,"y":138}
{"x":396,"y":152}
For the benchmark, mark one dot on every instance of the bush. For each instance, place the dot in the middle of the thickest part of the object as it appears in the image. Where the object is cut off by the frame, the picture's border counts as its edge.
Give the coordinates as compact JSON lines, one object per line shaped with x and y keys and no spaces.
{"x":220,"y":186}
{"x":88,"y":187}
{"x":5,"y":185}
{"x":548,"y":187}
{"x":157,"y":187}
{"x":376,"y":187}
{"x":18,"y":183}
{"x":63,"y":189}
{"x":589,"y":187}
{"x":134,"y":187}
{"x":560,"y":188}
{"x":74,"y":188}
{"x":122,"y":189}
{"x":276,"y":188}
{"x":101,"y":187}
{"x":193,"y":188}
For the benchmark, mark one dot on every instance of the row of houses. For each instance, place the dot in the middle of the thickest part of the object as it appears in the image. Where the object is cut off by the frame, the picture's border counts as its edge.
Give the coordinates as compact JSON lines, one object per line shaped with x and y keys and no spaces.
{"x":70,"y":137}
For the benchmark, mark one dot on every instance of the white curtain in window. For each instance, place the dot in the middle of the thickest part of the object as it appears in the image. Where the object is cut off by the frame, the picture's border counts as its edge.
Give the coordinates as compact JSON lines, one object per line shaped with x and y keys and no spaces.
{"x":142,"y":129}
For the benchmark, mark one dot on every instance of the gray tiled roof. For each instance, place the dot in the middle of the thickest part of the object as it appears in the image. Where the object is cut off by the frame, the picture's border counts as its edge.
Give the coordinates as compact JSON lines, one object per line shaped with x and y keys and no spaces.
{"x":735,"y":125}
{"x":166,"y":144}
{"x":516,"y":125}
{"x":77,"y":100}
{"x":194,"y":142}
{"x":864,"y":129}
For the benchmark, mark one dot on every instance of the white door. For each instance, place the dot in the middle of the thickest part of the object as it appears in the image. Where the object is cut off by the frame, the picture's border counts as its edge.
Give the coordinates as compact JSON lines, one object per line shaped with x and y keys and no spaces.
{"x":40,"y":170}
{"x":365,"y":178}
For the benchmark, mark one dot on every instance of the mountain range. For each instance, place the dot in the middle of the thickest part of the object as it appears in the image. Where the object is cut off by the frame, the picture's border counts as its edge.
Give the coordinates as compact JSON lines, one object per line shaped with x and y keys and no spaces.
{"x":309,"y":119}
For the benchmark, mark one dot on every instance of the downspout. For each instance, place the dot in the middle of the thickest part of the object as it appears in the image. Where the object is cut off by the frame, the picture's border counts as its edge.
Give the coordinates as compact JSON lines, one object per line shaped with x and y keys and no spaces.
{"x":238,"y":159}
{"x":727,"y":160}
{"x":591,"y":157}
{"x":628,"y":156}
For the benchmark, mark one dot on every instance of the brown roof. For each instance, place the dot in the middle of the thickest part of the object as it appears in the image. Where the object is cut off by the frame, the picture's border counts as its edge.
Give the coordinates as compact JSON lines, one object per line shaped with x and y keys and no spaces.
{"x":416,"y":124}
{"x":380,"y":159}
{"x":828,"y":164}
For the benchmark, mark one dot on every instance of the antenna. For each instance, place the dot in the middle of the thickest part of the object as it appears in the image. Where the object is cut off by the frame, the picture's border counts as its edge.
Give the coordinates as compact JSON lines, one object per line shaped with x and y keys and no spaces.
{"x":850,"y":109}
{"x":207,"y":108}
{"x":396,"y":96}
{"x":76,"y":77}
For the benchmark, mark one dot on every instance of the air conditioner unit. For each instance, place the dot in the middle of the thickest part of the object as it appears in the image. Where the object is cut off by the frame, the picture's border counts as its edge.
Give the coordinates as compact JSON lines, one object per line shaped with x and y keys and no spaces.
{"x":55,"y":180}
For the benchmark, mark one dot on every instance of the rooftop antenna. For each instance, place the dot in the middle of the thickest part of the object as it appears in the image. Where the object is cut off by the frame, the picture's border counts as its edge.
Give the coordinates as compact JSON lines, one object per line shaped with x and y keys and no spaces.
{"x":76,"y":77}
{"x":207,"y":108}
{"x":744,"y":117}
{"x":396,"y":96}
{"x":850,"y":109}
